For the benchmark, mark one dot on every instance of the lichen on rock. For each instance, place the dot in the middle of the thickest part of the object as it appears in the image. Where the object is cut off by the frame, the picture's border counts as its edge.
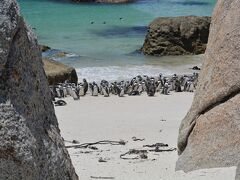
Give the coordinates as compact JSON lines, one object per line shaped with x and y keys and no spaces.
{"x":31,"y":147}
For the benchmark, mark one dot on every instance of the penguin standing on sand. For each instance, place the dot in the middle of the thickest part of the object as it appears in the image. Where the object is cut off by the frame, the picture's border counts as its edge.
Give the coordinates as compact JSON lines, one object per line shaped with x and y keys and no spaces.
{"x":105,"y":91}
{"x":85,"y":86}
{"x":165,"y":89}
{"x":74,"y":94}
{"x":91,"y":88}
{"x":178,"y":86}
{"x":95,"y":89}
{"x":151,"y":89}
{"x":121,"y":94}
{"x":81,"y":92}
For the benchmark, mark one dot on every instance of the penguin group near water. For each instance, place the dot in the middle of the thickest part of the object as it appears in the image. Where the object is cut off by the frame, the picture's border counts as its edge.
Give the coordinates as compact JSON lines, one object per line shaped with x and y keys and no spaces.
{"x":134,"y":87}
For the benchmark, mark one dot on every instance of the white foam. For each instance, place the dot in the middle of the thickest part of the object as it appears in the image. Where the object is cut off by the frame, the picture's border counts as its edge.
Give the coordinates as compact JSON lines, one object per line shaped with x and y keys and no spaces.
{"x":114,"y":73}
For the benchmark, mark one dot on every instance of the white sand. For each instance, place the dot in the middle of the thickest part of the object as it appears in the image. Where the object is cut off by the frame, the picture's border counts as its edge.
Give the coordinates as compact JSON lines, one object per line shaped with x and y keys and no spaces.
{"x":154,"y":118}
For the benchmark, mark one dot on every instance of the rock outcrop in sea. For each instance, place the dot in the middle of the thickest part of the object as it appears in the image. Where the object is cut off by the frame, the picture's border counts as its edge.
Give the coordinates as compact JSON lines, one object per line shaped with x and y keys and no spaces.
{"x":209,"y":134}
{"x":31,"y":147}
{"x":58,"y":73}
{"x":105,"y":1}
{"x":177,"y":36}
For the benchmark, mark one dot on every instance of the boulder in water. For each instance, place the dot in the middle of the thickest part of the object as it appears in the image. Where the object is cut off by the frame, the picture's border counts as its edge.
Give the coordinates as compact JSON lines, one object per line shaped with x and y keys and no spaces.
{"x":177,"y":36}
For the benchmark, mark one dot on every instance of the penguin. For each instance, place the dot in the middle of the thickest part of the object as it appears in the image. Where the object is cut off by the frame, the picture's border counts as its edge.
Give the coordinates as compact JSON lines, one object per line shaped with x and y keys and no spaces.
{"x":85,"y":86}
{"x":81,"y":92}
{"x":121,"y":94}
{"x":58,"y":92}
{"x":61,"y":91}
{"x":135,"y":86}
{"x":105,"y":91}
{"x":165,"y":89}
{"x":191,"y":87}
{"x":178,"y":86}
{"x":159,"y":86}
{"x":140,"y":88}
{"x":74,"y":94}
{"x":68,"y":90}
{"x":95,"y":89}
{"x":60,"y":103}
{"x":129,"y":89}
{"x":151,"y":89}
{"x":144,"y":87}
{"x":91,"y":88}
{"x":65,"y":91}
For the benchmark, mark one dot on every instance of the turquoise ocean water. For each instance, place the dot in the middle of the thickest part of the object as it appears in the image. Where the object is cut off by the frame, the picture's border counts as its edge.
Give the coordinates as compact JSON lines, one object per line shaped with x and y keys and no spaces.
{"x":102,"y":38}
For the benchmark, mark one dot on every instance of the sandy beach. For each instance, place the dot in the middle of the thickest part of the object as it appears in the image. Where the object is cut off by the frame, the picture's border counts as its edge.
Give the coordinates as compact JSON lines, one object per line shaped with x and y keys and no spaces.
{"x":151,"y":119}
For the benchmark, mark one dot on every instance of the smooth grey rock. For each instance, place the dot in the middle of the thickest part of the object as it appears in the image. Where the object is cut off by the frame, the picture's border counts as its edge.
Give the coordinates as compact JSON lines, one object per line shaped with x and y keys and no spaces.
{"x":31,"y":147}
{"x":209,"y":134}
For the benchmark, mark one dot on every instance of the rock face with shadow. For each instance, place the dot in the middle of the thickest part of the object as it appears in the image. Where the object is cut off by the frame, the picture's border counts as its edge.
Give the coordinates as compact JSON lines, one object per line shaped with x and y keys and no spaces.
{"x":31,"y":147}
{"x":177,"y":36}
{"x":209,"y":135}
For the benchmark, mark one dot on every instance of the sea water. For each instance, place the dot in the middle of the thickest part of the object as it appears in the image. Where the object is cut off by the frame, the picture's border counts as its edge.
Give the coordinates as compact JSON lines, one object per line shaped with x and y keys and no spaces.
{"x":103,"y":38}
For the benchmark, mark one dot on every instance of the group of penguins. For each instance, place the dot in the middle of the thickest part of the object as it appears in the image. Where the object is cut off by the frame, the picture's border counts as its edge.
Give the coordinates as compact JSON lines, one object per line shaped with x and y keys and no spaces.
{"x":136,"y":86}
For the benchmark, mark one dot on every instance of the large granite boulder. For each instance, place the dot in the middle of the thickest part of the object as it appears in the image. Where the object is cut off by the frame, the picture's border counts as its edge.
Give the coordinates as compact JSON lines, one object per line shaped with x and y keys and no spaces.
{"x":31,"y":147}
{"x":177,"y":36}
{"x":209,"y":135}
{"x":58,"y":73}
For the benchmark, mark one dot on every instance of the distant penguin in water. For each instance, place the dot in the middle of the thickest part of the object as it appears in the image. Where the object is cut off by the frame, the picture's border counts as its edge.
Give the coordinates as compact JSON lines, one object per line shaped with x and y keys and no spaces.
{"x":92,"y":22}
{"x":104,"y":22}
